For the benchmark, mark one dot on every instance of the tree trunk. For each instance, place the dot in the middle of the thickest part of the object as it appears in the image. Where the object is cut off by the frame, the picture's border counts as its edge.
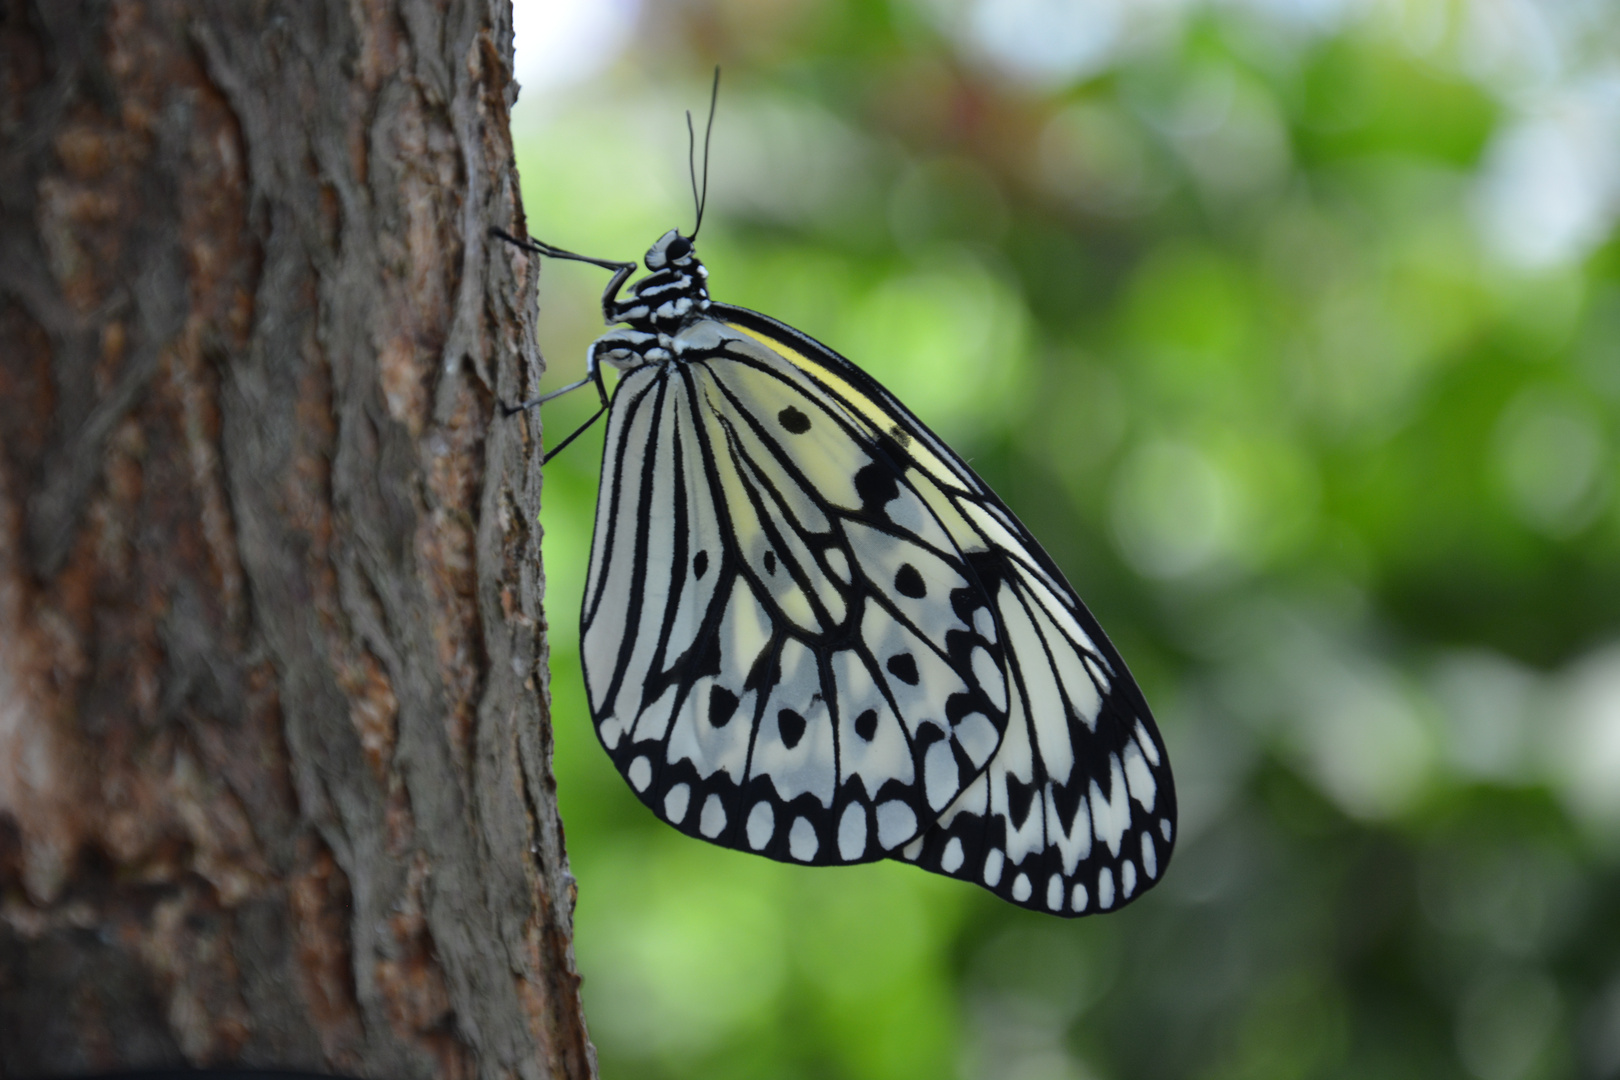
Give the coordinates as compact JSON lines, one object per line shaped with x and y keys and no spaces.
{"x":275,"y":781}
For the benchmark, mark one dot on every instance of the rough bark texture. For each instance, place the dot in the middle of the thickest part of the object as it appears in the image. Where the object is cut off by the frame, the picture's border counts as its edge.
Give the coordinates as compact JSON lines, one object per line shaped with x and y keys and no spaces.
{"x":275,"y":778}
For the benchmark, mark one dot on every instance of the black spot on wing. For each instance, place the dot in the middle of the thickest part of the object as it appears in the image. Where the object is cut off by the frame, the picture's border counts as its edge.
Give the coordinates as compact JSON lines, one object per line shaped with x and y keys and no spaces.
{"x":908,"y":582}
{"x":876,"y":485}
{"x":1067,"y":798}
{"x":792,"y":726}
{"x":1019,"y":797}
{"x":794,"y":420}
{"x":903,"y":666}
{"x":700,"y":564}
{"x":866,"y":724}
{"x":722,"y":706}
{"x":770,"y":562}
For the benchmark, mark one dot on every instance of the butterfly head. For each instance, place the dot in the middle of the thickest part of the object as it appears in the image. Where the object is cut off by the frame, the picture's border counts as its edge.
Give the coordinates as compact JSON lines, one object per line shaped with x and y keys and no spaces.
{"x":673,"y":252}
{"x":675,"y":291}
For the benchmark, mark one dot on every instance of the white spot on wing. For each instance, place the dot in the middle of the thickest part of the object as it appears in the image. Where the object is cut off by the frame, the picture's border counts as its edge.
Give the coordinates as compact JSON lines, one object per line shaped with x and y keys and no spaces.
{"x":675,"y":803}
{"x":714,"y":817}
{"x":1061,"y":615}
{"x":611,"y":730}
{"x":896,"y":824}
{"x":1074,"y":844}
{"x":612,"y":577}
{"x":1139,"y":777}
{"x":653,"y":723}
{"x":1042,"y":701}
{"x":887,"y":756}
{"x":1074,"y":677}
{"x":1127,"y":879}
{"x":989,"y":677}
{"x":1110,"y":817}
{"x":950,"y":860}
{"x":1105,"y":888}
{"x":640,"y":773}
{"x":745,"y":631}
{"x":852,"y":832}
{"x":923,"y":701}
{"x":913,"y":849}
{"x":1146,"y":740}
{"x":975,"y":800}
{"x":882,"y":556}
{"x":992,"y":867}
{"x":940,"y":775}
{"x":646,"y":531}
{"x":809,"y":767}
{"x":1165,"y":829}
{"x":995,"y":532}
{"x":761,"y":824}
{"x":802,"y":842}
{"x":977,"y":737}
{"x":1097,"y":674}
{"x":985,"y":624}
{"x":911,"y":513}
{"x":1078,"y":898}
{"x":1054,"y":893}
{"x":1015,"y":759}
{"x":1150,"y":856}
{"x":711,"y":749}
{"x":1021,"y":888}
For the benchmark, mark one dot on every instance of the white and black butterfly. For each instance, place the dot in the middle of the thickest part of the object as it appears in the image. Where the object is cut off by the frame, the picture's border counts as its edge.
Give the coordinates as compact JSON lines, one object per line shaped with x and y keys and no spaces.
{"x":809,"y":631}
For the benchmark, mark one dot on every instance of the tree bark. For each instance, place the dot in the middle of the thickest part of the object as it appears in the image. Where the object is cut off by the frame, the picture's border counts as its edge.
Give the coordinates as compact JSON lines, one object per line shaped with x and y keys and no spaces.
{"x":275,"y":780}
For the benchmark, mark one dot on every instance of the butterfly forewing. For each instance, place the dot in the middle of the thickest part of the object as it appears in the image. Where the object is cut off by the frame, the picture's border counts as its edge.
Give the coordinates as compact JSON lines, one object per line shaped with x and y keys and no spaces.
{"x":1075,"y":813}
{"x":784,"y":646}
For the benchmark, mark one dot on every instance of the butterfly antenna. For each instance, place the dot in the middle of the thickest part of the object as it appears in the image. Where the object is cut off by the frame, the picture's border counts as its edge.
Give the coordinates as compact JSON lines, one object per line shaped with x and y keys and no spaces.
{"x":702,"y":199}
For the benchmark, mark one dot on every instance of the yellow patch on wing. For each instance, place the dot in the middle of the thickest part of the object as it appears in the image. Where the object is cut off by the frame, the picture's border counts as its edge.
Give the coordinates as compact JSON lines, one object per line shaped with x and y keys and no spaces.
{"x":877,"y":418}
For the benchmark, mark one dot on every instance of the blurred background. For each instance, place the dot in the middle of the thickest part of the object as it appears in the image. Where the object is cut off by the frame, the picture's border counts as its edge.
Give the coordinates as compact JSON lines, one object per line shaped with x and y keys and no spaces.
{"x":1292,"y":328}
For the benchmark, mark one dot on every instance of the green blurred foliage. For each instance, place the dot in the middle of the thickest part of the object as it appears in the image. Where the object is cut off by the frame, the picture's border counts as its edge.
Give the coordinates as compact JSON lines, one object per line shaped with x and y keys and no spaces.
{"x":1271,"y":321}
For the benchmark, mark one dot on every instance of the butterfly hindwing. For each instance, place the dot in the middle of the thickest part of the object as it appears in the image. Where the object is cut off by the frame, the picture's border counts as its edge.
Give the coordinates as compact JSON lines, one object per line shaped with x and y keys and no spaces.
{"x":1076,"y":811}
{"x":783,"y":645}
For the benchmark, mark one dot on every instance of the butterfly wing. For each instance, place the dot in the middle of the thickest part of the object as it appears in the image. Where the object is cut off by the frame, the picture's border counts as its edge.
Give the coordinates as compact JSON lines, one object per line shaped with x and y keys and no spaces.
{"x":785,"y":651}
{"x":1076,"y":811}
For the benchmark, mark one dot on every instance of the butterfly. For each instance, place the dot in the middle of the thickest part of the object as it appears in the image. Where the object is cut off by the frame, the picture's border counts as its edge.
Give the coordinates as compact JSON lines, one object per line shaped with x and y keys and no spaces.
{"x":811,"y":632}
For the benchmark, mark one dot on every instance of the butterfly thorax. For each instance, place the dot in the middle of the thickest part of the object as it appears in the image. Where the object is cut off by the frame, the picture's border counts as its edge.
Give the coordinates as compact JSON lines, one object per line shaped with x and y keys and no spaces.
{"x":672,"y":297}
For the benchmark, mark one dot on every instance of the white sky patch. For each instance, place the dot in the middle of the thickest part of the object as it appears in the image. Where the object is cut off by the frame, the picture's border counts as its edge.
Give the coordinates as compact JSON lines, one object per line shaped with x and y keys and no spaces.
{"x":561,"y":42}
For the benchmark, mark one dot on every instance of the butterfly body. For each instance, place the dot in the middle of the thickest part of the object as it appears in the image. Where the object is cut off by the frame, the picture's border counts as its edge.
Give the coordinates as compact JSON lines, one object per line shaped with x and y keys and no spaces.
{"x":810,"y":632}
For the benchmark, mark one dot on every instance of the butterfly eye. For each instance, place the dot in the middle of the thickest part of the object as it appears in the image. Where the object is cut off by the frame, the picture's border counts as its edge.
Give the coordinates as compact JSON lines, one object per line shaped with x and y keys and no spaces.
{"x":679,"y":248}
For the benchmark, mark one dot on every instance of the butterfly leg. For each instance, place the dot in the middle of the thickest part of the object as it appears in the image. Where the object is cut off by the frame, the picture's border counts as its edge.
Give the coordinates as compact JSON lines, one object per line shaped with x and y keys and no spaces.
{"x":595,"y":376}
{"x":612,"y":307}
